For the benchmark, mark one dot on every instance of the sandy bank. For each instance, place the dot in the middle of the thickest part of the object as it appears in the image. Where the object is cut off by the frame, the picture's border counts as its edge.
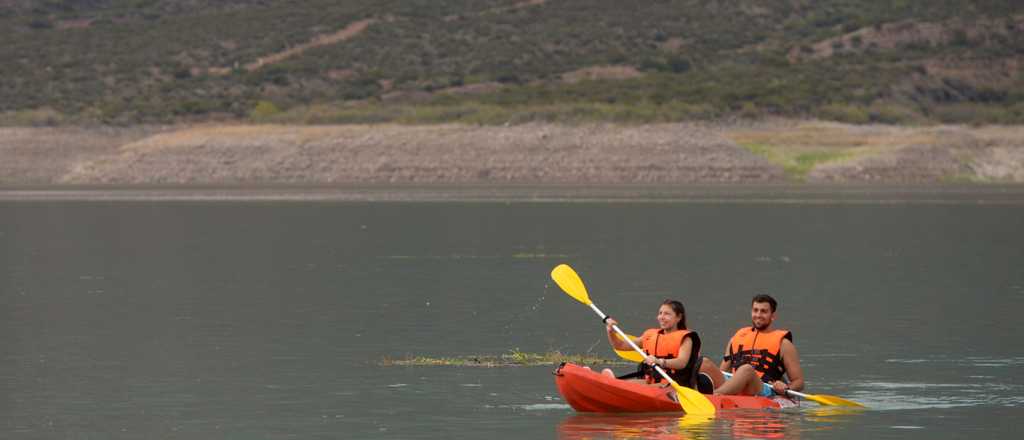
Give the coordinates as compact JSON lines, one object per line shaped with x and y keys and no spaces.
{"x":777,"y":152}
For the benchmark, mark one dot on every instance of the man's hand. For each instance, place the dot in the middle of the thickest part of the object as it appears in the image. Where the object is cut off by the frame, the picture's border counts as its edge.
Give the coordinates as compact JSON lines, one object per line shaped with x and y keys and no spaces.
{"x":780,"y":387}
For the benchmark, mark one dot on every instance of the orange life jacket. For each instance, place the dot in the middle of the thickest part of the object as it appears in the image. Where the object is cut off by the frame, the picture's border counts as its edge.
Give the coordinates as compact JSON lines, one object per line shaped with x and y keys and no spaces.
{"x":666,"y":346}
{"x":762,"y":350}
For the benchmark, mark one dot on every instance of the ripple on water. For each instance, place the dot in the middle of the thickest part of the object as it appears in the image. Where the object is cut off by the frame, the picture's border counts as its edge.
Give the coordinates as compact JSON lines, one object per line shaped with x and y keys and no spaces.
{"x":544,"y":406}
{"x":534,"y":407}
{"x":971,"y":361}
{"x":889,"y":396}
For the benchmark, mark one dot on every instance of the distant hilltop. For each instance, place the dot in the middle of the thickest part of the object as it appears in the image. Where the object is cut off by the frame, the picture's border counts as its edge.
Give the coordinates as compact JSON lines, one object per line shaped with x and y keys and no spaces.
{"x":497,"y":62}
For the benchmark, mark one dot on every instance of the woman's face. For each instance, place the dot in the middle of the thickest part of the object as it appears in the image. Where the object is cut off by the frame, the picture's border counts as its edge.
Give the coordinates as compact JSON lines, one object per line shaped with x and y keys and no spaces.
{"x":667,"y":318}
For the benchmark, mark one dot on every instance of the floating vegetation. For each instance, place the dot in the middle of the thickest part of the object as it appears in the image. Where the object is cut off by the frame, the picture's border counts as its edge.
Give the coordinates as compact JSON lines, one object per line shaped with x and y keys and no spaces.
{"x":538,"y":255}
{"x":514,"y":358}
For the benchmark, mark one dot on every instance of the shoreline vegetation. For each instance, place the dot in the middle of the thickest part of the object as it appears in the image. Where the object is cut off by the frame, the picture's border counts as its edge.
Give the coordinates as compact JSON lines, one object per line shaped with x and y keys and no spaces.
{"x":766,"y":152}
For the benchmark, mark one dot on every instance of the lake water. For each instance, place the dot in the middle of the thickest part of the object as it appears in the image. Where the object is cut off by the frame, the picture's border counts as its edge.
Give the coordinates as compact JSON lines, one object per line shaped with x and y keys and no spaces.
{"x":268,"y":318}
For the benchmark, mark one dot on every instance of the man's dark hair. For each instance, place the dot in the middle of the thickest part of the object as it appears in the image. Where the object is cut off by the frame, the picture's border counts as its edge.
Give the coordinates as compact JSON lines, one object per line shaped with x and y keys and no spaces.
{"x":762,"y":298}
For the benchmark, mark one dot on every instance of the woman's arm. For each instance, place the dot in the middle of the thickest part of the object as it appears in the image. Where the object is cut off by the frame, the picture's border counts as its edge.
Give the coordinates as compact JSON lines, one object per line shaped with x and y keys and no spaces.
{"x":614,"y":339}
{"x":726,"y":365}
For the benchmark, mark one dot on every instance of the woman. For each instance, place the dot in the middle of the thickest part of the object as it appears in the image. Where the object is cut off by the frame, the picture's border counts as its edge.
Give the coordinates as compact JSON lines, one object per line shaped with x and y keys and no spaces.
{"x":671,"y":346}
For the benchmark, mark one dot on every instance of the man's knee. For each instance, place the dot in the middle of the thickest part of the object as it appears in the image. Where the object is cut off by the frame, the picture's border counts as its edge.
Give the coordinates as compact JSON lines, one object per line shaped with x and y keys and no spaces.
{"x":745,"y":369}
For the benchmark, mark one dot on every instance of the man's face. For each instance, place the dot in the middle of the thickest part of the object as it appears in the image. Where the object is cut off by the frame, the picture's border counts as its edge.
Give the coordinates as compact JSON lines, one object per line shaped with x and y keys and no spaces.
{"x":761,"y":315}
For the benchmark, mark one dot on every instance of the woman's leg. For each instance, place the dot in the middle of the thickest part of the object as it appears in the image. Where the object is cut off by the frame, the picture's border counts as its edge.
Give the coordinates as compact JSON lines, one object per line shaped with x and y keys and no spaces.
{"x":707,"y":366}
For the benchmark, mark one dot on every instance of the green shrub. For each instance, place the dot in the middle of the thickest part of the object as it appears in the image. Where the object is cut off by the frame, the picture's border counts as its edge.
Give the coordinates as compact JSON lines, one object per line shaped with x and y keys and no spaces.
{"x":850,"y":114}
{"x":749,"y":111}
{"x":40,"y":23}
{"x":975,"y":114}
{"x":39,"y":117}
{"x":893,"y":113}
{"x":264,"y":110}
{"x":678,"y":64}
{"x":194,"y":107}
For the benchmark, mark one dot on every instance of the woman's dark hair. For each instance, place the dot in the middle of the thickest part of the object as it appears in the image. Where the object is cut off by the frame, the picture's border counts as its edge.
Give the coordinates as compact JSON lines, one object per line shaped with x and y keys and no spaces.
{"x":679,"y":309}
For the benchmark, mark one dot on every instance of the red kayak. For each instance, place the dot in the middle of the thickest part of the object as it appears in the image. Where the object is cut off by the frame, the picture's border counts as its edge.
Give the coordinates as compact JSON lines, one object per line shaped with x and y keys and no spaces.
{"x":589,"y":391}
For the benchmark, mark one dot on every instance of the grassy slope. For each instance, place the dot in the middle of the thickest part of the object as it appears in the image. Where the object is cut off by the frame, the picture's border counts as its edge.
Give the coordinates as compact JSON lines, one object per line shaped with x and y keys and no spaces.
{"x":134,"y":61}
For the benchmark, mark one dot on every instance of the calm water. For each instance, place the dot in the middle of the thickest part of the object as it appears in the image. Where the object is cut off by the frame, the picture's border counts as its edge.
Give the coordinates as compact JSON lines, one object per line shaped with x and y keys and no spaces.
{"x":267,"y":320}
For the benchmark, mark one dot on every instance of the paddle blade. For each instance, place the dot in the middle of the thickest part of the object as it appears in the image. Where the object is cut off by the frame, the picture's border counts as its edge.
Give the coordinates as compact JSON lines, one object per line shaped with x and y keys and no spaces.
{"x":629,"y":355}
{"x":826,"y":399}
{"x":693,"y":402}
{"x":570,"y":282}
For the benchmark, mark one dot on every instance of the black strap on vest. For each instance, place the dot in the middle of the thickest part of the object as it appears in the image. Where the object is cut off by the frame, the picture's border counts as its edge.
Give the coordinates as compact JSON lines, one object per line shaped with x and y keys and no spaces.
{"x":764,"y":361}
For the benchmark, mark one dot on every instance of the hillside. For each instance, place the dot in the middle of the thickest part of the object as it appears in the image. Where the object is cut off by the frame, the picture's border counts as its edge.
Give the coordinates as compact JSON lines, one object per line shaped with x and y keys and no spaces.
{"x":510,"y":61}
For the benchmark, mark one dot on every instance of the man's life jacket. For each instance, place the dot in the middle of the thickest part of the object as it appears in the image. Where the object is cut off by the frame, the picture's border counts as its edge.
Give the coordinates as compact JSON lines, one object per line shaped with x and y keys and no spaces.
{"x":762,"y":350}
{"x":666,"y":346}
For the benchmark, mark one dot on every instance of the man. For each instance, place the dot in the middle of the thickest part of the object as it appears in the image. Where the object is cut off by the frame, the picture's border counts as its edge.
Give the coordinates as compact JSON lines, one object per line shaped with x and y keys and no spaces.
{"x":758,"y":355}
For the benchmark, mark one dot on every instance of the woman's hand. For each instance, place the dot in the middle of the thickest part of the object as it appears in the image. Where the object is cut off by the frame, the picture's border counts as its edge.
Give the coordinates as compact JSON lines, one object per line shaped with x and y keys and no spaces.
{"x":608,"y":323}
{"x":651,"y":360}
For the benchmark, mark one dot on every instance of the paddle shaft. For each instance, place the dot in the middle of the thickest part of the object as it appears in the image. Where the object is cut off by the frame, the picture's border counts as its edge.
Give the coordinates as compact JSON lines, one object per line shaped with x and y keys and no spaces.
{"x":629,"y":341}
{"x":795,"y":393}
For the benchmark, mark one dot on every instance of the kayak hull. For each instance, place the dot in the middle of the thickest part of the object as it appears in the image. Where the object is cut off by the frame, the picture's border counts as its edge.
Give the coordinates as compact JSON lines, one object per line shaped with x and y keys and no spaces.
{"x":589,"y":391}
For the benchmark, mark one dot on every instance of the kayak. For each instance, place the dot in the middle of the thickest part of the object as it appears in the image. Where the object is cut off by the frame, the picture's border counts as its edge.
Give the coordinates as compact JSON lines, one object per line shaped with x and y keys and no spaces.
{"x":589,"y":391}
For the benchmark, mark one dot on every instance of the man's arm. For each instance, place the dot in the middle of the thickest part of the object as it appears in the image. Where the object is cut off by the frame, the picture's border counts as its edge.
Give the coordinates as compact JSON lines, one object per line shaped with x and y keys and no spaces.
{"x":791,"y":360}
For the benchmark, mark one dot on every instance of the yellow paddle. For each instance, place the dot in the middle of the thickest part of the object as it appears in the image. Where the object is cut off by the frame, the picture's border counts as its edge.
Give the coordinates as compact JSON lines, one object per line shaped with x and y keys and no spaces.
{"x":692,"y":401}
{"x":824,"y":399}
{"x":827,"y":400}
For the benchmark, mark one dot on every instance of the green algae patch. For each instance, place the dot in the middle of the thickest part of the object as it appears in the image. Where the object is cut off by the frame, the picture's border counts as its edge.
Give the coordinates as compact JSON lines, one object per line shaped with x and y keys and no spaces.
{"x":797,"y":161}
{"x":800,"y":149}
{"x":514,"y":358}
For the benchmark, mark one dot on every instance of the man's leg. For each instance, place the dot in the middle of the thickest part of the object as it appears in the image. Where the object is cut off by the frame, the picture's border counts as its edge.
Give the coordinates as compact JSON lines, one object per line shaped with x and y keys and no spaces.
{"x":744,"y":381}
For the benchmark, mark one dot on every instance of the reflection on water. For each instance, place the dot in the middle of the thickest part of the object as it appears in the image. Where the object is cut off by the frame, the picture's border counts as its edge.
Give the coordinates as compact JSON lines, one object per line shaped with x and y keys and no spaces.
{"x":615,"y":426}
{"x":727,"y":424}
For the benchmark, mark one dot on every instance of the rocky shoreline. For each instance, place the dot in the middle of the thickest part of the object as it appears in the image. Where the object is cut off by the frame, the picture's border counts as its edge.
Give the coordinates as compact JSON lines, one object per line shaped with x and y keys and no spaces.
{"x":776,"y":152}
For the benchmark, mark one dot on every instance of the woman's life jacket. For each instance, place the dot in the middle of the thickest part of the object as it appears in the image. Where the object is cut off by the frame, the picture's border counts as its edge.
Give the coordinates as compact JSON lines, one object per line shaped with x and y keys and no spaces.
{"x":666,"y":346}
{"x":762,"y":350}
